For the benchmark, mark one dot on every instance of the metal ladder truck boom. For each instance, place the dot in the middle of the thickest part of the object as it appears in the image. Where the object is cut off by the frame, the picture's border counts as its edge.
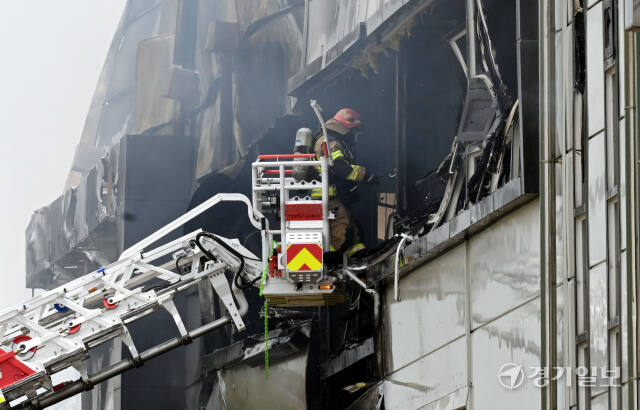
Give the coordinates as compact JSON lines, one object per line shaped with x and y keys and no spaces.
{"x":61,"y":327}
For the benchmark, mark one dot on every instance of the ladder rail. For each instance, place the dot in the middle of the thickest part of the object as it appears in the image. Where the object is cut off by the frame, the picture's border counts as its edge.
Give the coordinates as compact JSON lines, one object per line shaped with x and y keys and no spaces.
{"x":118,"y":368}
{"x":62,"y":336}
{"x":254,"y":217}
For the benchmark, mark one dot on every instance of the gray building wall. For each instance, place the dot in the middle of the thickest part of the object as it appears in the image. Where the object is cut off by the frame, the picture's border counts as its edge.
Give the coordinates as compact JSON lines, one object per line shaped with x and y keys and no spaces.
{"x":463,"y":315}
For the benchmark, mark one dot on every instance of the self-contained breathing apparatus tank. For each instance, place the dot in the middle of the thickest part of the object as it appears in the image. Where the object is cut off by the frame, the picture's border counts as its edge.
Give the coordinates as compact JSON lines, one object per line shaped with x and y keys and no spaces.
{"x":304,"y":140}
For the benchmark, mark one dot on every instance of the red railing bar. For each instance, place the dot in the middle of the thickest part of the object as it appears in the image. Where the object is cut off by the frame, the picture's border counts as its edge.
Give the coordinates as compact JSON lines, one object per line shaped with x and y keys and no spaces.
{"x":285,"y":156}
{"x":275,"y":171}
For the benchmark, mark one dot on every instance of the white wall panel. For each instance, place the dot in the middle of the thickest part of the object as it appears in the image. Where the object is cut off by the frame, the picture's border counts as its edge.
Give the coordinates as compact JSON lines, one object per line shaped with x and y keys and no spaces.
{"x":432,"y":377}
{"x":505,"y":264}
{"x":431,"y":310}
{"x":514,"y":338}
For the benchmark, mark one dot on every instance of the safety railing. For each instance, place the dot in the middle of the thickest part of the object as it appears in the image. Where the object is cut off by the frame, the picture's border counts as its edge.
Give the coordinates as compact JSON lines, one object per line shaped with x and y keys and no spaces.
{"x":274,"y":173}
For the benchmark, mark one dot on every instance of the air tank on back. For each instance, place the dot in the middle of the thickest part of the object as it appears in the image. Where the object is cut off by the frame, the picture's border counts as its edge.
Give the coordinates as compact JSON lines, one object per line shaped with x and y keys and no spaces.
{"x":304,"y":139}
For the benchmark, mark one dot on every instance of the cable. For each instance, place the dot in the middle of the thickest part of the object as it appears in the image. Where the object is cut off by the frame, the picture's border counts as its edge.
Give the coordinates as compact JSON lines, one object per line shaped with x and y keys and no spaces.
{"x":249,"y":236}
{"x":178,"y":265}
{"x":235,"y":253}
{"x":356,"y":301}
{"x":159,"y":286}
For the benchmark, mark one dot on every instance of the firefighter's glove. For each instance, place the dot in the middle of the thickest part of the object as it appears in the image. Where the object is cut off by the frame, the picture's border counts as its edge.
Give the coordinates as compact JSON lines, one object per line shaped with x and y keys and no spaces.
{"x":371,"y":179}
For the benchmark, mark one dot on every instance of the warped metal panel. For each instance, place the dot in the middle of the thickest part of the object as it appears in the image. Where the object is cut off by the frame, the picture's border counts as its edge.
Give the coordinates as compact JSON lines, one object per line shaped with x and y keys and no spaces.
{"x":331,"y":22}
{"x":598,"y":322}
{"x":334,"y":25}
{"x":513,"y":338}
{"x":77,"y":231}
{"x":153,"y":66}
{"x":479,"y":112}
{"x":110,"y":115}
{"x":597,"y":204}
{"x":244,"y":387}
{"x":595,"y":67}
{"x":431,"y":310}
{"x":505,"y":268}
{"x":428,"y":379}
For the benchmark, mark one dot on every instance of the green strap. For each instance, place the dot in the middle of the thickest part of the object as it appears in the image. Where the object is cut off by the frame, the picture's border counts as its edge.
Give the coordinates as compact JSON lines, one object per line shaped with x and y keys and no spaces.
{"x":266,"y":341}
{"x":266,"y":323}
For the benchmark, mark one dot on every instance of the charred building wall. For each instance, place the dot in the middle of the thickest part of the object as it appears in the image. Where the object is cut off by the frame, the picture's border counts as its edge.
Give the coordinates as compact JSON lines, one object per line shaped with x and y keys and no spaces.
{"x":497,"y":133}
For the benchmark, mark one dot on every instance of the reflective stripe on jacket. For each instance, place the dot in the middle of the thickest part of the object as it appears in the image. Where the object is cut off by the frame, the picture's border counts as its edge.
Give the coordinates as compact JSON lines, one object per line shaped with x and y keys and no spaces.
{"x":343,"y":165}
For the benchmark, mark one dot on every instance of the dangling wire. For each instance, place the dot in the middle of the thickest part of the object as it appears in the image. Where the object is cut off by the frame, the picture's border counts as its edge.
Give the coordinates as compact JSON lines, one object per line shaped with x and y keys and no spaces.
{"x":266,"y":323}
{"x":356,"y":301}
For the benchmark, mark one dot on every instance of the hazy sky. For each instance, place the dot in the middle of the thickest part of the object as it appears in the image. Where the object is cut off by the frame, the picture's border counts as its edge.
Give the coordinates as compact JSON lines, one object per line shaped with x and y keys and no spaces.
{"x":51,"y":55}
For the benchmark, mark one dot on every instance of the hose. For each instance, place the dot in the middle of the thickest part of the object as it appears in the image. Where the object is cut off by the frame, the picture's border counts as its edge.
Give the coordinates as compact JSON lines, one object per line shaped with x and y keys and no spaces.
{"x":396,"y":277}
{"x":234,"y":252}
{"x":379,"y":258}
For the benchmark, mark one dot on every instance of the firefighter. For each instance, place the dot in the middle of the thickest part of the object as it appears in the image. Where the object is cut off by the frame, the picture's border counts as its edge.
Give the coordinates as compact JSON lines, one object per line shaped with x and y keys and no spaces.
{"x":343,"y":129}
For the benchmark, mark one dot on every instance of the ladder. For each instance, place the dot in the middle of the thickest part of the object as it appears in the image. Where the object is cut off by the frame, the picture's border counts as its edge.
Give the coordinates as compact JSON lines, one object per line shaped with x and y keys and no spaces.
{"x":60,"y":328}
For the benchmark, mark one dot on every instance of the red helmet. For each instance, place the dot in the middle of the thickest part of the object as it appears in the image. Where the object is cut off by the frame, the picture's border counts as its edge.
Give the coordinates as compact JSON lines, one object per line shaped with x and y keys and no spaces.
{"x":344,"y":121}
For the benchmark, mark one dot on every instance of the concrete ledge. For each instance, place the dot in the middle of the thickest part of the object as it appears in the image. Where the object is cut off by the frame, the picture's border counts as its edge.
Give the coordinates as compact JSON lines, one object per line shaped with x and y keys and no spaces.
{"x":466,"y":224}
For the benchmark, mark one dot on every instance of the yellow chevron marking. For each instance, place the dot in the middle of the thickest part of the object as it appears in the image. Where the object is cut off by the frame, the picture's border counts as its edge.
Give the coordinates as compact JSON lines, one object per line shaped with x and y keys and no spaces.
{"x":304,"y":257}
